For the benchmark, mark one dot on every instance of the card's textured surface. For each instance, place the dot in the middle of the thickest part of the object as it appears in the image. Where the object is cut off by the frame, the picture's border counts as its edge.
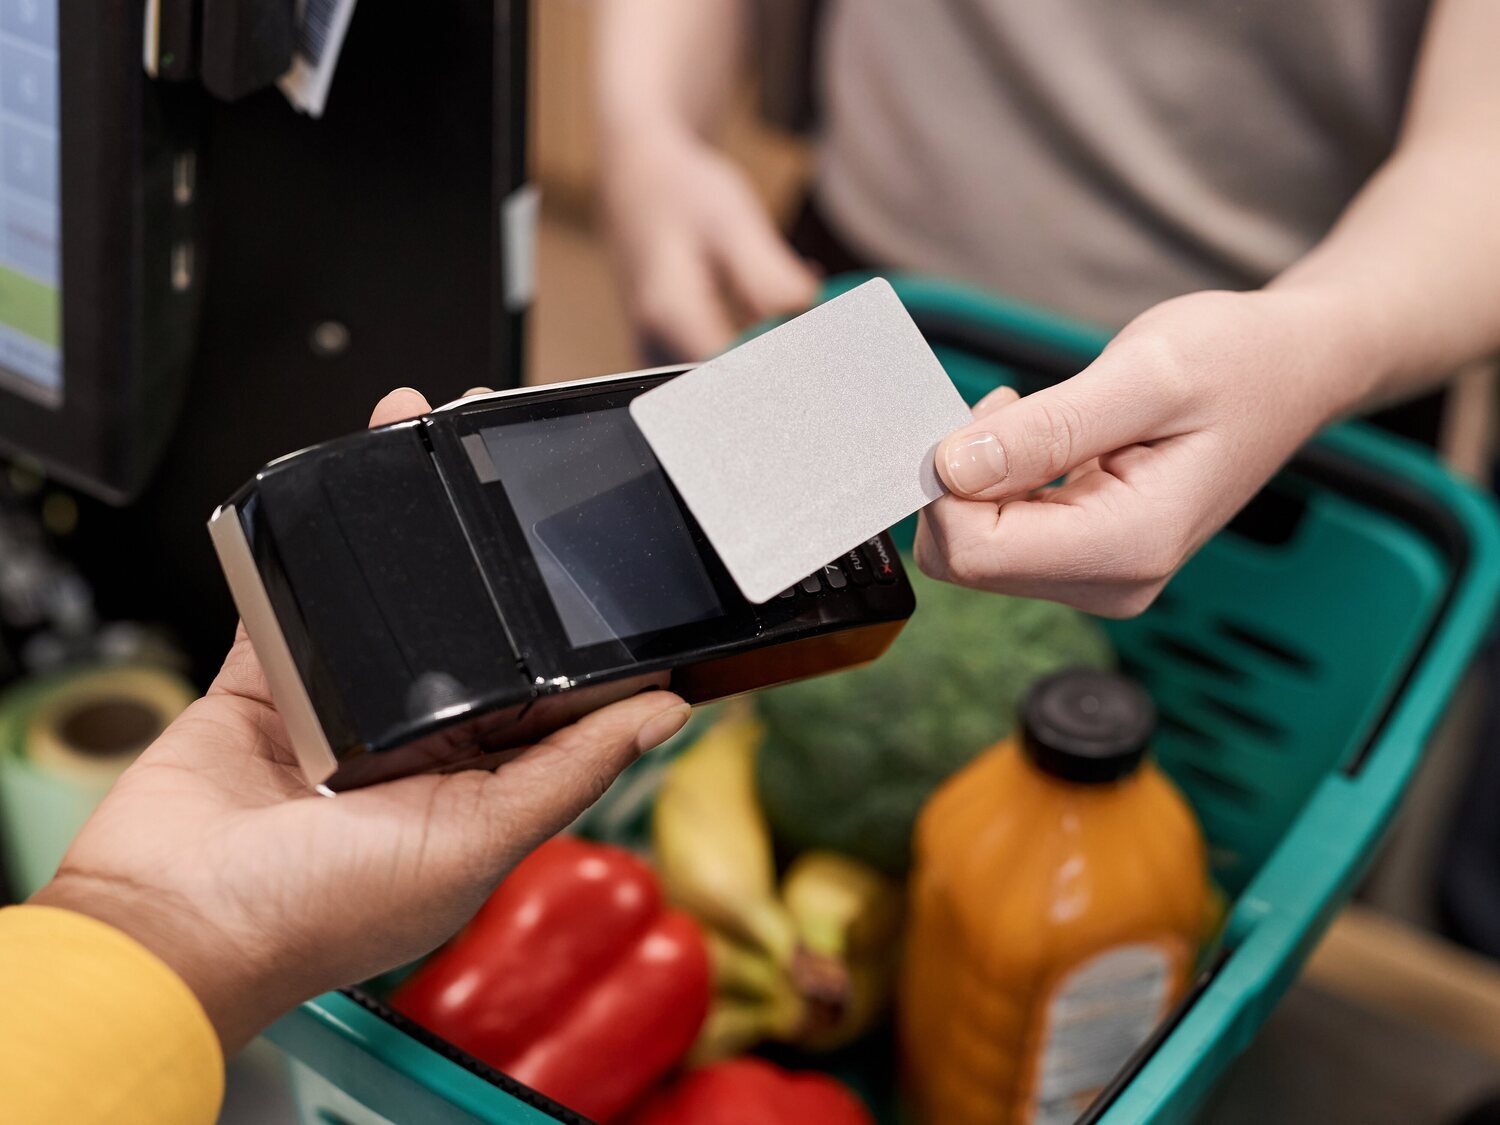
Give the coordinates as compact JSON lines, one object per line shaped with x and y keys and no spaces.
{"x":806,"y":441}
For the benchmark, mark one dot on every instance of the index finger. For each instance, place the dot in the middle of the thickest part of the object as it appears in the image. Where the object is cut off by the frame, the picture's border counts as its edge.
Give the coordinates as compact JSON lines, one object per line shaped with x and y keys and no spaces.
{"x":1023,"y":543}
{"x":1061,"y":547}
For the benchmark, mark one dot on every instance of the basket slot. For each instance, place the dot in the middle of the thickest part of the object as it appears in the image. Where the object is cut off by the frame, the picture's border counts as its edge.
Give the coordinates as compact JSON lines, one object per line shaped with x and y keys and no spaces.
{"x":1266,"y":729}
{"x":1197,"y":722}
{"x":1238,"y":779}
{"x":1186,"y":729}
{"x":1179,"y":713}
{"x":1276,"y":650}
{"x":1197,"y":656}
{"x":1232,"y":790}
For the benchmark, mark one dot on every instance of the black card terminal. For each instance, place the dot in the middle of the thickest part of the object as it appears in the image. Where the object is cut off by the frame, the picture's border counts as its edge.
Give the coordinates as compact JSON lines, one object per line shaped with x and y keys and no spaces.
{"x":431,"y":594}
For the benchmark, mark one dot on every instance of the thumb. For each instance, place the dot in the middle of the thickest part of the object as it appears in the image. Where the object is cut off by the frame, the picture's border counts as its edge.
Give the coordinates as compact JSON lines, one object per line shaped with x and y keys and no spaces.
{"x":1009,"y":449}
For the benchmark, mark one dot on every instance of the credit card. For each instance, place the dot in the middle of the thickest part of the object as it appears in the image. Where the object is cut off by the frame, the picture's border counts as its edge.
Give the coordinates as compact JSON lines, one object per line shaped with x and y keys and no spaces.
{"x":799,"y":445}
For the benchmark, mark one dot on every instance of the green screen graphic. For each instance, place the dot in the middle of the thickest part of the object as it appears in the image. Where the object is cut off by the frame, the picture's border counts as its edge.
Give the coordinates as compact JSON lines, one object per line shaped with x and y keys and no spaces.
{"x":30,"y":211}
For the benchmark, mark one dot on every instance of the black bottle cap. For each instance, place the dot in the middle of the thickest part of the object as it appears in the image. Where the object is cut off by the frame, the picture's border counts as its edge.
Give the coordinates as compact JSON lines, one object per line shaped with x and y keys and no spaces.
{"x":1087,"y":726}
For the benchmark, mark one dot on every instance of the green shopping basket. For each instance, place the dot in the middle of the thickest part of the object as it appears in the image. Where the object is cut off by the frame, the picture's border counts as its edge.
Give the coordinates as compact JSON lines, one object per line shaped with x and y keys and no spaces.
{"x":1299,"y":662}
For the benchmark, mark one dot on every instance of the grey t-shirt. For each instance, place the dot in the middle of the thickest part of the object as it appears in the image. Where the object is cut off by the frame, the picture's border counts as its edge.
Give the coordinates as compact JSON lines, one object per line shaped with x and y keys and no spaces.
{"x":1098,"y":156}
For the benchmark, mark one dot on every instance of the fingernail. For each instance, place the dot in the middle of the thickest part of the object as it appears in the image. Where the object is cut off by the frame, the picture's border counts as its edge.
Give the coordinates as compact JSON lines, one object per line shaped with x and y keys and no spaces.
{"x":974,"y":462}
{"x":661,"y":727}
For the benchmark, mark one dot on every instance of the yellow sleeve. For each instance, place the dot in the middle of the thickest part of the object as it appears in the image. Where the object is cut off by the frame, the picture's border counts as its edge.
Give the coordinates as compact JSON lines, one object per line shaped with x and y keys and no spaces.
{"x":95,"y":1029}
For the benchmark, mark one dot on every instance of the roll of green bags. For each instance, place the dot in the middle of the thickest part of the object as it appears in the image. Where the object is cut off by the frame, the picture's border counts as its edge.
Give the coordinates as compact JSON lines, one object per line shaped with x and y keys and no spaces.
{"x":64,"y":740}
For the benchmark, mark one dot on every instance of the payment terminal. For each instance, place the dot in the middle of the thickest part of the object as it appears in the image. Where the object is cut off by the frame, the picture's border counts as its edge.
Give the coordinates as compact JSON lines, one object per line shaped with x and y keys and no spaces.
{"x":430,"y":594}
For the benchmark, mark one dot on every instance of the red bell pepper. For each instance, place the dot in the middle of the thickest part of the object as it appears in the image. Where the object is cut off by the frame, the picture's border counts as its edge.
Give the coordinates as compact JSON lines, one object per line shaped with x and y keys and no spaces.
{"x":573,"y":978}
{"x":750,"y":1091}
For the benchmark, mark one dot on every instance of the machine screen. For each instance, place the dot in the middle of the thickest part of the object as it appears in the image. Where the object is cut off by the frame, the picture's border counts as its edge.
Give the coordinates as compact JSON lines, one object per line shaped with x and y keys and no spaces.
{"x":606,"y":530}
{"x":30,"y":204}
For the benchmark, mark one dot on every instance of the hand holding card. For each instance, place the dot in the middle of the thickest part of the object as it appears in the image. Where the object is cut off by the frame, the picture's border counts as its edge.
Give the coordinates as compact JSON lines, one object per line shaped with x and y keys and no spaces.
{"x":804,"y":442}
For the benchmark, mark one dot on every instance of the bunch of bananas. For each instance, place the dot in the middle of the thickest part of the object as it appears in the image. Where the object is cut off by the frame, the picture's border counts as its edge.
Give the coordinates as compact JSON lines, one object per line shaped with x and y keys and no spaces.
{"x":809,"y":962}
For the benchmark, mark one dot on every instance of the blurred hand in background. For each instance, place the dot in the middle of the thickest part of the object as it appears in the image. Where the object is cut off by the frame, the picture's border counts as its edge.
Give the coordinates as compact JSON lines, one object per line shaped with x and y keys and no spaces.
{"x":699,"y":257}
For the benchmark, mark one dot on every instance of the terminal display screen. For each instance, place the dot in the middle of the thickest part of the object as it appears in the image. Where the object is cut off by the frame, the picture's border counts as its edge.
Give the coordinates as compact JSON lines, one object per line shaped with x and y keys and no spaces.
{"x":30,"y":203}
{"x":609,"y":538}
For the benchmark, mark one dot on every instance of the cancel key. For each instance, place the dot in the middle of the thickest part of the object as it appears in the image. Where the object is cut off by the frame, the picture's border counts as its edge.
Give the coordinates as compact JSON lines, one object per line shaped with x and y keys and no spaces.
{"x":880,"y":556}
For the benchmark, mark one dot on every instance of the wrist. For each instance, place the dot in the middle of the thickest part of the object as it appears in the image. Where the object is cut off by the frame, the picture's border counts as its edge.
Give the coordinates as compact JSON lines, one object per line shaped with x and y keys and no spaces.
{"x":628,"y":137}
{"x":1330,"y":349}
{"x":236,"y":999}
{"x":1342,"y":344}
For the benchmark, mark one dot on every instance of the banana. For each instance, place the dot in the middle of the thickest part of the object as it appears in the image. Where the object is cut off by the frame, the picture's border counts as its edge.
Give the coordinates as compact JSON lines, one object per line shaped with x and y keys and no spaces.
{"x":741,"y":971}
{"x":713,"y":847}
{"x":871,"y":981}
{"x":809,"y":962}
{"x":847,"y":915}
{"x":736,"y":1024}
{"x":754,"y":1000}
{"x":841,"y":907}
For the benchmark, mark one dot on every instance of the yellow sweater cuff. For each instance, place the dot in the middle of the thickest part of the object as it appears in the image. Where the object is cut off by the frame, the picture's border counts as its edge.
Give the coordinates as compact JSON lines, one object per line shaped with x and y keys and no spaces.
{"x":94,"y":1028}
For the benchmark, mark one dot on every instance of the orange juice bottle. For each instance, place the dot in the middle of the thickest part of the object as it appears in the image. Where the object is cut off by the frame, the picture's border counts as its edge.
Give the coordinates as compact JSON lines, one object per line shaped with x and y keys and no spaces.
{"x":1058,"y":900}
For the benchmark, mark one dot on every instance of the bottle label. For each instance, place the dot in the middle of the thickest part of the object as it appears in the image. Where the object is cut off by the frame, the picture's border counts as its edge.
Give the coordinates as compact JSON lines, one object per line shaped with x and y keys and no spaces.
{"x":1100,"y":1013}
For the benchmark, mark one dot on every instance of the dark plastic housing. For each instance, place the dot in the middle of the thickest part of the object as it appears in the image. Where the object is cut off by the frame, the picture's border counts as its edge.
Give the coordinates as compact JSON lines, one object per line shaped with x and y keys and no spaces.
{"x":406,"y":624}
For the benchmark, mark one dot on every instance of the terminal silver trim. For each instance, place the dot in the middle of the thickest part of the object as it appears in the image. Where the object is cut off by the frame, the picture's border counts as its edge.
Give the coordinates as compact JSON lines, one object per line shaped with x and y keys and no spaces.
{"x":309,"y":742}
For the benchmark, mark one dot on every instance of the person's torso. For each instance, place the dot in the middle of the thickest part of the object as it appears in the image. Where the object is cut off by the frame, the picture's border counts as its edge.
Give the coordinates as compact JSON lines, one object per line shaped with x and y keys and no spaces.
{"x":1098,"y":156}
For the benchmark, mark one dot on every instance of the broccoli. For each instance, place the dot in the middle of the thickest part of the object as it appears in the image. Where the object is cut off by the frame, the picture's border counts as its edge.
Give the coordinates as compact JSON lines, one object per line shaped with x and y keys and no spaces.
{"x":848,"y":760}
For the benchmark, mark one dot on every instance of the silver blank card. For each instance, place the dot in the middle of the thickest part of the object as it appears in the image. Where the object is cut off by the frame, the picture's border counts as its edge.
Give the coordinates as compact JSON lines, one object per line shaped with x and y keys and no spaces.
{"x":804,"y":442}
